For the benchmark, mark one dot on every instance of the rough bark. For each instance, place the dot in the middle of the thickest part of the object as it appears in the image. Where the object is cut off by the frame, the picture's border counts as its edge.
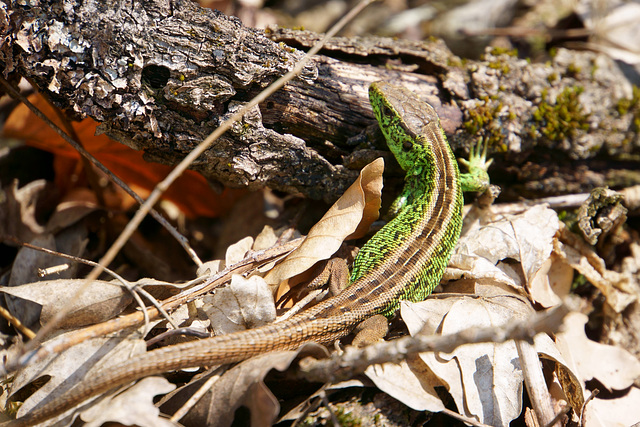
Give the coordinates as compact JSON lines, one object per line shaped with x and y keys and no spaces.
{"x":161,"y":75}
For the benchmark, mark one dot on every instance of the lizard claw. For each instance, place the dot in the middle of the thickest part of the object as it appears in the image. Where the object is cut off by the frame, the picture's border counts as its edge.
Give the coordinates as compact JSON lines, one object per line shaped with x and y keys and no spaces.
{"x":477,"y":178}
{"x":477,"y":157}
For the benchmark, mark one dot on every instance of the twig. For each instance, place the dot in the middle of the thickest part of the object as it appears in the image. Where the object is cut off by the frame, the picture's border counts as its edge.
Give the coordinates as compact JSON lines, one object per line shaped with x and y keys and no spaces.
{"x":59,"y":344}
{"x":354,"y":361}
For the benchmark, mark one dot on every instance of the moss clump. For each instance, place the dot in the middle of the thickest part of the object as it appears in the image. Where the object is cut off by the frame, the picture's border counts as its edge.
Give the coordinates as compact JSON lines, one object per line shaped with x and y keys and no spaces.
{"x":503,"y":51}
{"x":632,"y":106}
{"x":482,"y":122}
{"x":563,"y":119}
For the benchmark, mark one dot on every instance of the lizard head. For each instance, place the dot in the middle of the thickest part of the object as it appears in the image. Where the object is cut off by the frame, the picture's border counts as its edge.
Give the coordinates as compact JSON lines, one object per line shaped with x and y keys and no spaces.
{"x":406,"y":122}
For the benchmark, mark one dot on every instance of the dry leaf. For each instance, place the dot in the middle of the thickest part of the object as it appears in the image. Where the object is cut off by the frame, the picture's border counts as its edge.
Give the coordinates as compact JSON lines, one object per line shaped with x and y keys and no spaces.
{"x":407,"y":385}
{"x":244,"y":304}
{"x":527,"y":238}
{"x":134,"y":406}
{"x":101,"y":300}
{"x":238,"y":251}
{"x":485,"y":380}
{"x":619,"y":412}
{"x":336,"y":225}
{"x":616,"y":287}
{"x":614,"y":367}
{"x":17,"y":211}
{"x":71,"y":366}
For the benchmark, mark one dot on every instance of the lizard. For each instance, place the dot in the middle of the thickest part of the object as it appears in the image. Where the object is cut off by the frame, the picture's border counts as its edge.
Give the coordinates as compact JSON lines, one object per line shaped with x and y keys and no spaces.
{"x":404,"y":260}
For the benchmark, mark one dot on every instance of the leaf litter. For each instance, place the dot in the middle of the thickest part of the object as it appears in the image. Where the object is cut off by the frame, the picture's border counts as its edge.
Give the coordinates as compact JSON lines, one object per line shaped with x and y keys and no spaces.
{"x":503,"y":269}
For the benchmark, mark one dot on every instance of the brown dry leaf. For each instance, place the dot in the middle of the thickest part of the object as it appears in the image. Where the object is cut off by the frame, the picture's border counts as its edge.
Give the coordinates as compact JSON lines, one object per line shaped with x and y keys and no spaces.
{"x":100,"y":302}
{"x":71,"y":366}
{"x":340,"y":221}
{"x":244,"y":304}
{"x":191,"y":192}
{"x":74,"y":206}
{"x":17,"y":211}
{"x":134,"y":406}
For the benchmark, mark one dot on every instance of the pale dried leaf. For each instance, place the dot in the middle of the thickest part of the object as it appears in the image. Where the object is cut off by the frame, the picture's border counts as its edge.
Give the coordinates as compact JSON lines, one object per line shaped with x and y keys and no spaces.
{"x":244,"y":304}
{"x":474,"y":267}
{"x":614,"y":367}
{"x":210,"y":267}
{"x":407,"y":384}
{"x":133,"y":406}
{"x":616,"y":287}
{"x":619,"y":412}
{"x":238,"y":251}
{"x":266,"y":239}
{"x":327,"y":235}
{"x":72,"y":366}
{"x":485,"y":380}
{"x":552,"y":283}
{"x":100,"y":301}
{"x":371,"y":183}
{"x":527,"y":238}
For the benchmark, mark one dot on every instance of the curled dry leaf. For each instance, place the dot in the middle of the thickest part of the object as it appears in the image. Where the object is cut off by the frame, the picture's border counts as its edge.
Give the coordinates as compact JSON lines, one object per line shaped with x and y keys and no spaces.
{"x":344,"y":219}
{"x":100,"y":302}
{"x":617,"y":288}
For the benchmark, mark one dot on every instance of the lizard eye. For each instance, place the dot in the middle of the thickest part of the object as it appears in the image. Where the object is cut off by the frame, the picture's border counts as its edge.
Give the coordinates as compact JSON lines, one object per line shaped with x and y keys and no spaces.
{"x":386,"y":111}
{"x":407,"y":145}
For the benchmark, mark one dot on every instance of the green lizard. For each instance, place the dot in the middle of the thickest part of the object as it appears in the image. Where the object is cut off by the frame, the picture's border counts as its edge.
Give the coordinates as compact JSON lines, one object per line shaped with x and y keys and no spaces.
{"x":404,"y":260}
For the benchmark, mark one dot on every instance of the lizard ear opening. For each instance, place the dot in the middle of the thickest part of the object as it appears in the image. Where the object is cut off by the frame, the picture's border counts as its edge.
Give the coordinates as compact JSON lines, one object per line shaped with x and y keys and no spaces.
{"x":407,"y":145}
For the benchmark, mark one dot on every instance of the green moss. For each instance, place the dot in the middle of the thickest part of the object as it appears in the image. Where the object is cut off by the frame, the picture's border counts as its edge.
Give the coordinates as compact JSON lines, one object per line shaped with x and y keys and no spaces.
{"x":573,"y":70}
{"x":563,"y":119}
{"x":496,"y":51}
{"x":498,"y":65}
{"x":625,"y":106}
{"x":347,"y":419}
{"x":553,"y":77}
{"x":481,"y":122}
{"x":579,"y":281}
